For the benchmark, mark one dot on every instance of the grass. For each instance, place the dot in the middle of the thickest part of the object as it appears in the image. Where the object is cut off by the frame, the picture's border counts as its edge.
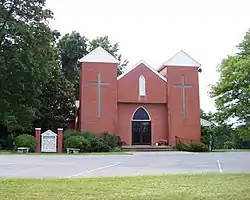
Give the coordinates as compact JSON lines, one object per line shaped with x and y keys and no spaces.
{"x":171,"y":187}
{"x":82,"y":154}
{"x":229,"y":150}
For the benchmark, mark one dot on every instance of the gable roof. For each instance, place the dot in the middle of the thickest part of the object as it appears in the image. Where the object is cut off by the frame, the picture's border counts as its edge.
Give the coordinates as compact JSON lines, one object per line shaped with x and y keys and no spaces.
{"x":181,"y":59}
{"x":49,"y":133}
{"x":146,"y":65}
{"x":99,"y":55}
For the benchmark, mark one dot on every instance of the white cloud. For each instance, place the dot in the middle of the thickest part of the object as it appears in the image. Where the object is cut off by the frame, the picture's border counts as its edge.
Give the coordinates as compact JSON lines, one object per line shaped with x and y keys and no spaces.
{"x":149,"y":30}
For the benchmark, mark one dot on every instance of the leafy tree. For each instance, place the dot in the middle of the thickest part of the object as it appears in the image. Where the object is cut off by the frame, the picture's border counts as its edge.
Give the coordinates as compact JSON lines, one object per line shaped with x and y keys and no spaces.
{"x":232,"y":91}
{"x":206,"y":131}
{"x":25,"y":54}
{"x":207,"y":116}
{"x":105,"y":43}
{"x":72,"y":46}
{"x":58,"y":102}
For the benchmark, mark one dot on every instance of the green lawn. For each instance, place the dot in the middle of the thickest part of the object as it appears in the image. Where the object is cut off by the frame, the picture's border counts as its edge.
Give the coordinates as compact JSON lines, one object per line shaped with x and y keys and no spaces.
{"x":229,"y":150}
{"x":94,"y":153}
{"x":171,"y":187}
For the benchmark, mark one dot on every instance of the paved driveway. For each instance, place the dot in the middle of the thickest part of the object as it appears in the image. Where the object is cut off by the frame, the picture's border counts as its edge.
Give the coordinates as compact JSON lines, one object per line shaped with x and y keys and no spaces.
{"x":141,"y":163}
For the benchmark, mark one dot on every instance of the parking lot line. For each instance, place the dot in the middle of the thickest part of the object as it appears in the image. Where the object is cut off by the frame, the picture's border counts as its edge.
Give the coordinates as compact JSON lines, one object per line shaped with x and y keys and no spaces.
{"x":219,"y":165}
{"x":93,"y":170}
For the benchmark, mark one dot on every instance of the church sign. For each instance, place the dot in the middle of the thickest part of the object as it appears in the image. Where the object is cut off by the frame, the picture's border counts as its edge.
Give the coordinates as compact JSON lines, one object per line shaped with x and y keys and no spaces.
{"x":49,"y":140}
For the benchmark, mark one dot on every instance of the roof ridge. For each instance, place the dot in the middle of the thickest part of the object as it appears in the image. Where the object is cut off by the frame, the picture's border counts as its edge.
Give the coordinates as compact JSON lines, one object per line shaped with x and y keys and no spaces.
{"x":147,"y":65}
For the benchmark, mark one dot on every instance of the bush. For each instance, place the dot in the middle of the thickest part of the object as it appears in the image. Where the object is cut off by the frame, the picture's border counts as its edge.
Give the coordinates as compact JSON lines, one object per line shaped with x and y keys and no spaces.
{"x":26,"y":140}
{"x":88,"y":135}
{"x":229,"y":145}
{"x":182,"y":147}
{"x":88,"y":142}
{"x":197,"y":147}
{"x":99,"y":145}
{"x":78,"y":142}
{"x":70,"y":132}
{"x":193,"y":147}
{"x":111,"y":139}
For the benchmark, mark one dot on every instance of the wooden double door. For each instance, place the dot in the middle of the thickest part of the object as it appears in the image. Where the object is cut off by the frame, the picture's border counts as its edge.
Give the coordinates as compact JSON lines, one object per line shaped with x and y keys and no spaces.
{"x":141,"y":132}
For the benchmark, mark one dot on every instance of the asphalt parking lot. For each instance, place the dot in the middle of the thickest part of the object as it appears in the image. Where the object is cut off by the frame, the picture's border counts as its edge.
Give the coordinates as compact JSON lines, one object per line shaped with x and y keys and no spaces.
{"x":140,"y":163}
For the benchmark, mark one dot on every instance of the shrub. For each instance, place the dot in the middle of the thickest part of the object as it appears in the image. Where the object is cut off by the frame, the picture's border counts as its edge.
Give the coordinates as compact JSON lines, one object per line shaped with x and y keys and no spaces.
{"x":70,"y":132}
{"x":197,"y":147}
{"x":99,"y":145}
{"x":111,"y":139}
{"x":193,"y":147}
{"x":229,"y":145}
{"x":26,"y":140}
{"x":88,"y":135}
{"x":78,"y":142}
{"x":182,"y":147}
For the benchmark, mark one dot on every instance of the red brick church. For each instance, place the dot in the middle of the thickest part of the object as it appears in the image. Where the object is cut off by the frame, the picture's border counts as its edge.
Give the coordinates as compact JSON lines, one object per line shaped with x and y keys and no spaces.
{"x":143,"y":105}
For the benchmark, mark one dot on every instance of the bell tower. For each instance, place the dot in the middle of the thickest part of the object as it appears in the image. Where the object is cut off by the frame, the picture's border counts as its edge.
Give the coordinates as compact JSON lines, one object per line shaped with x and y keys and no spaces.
{"x":98,"y":92}
{"x":183,"y":97}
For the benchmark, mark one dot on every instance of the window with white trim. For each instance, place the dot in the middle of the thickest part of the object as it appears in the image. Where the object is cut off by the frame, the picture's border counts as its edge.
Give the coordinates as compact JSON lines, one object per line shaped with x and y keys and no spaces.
{"x":142,"y":86}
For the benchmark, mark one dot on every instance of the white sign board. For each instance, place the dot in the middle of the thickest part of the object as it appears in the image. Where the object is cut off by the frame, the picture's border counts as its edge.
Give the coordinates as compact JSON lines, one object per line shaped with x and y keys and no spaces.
{"x":49,"y":140}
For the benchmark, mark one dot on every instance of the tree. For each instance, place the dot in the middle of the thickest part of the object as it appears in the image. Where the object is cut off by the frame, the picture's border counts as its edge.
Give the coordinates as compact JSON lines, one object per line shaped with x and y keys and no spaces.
{"x":105,"y":43}
{"x":232,"y":91}
{"x":73,"y":46}
{"x":207,"y":116}
{"x":25,"y":54}
{"x":58,"y":102}
{"x":206,"y":131}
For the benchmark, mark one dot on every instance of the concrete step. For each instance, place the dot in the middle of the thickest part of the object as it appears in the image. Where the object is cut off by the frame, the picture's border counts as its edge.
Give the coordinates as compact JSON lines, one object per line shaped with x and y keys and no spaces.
{"x":147,"y":148}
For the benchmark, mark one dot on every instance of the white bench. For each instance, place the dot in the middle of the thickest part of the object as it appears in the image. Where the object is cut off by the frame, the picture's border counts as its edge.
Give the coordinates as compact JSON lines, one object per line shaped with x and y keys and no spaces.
{"x":72,"y":150}
{"x":23,"y":149}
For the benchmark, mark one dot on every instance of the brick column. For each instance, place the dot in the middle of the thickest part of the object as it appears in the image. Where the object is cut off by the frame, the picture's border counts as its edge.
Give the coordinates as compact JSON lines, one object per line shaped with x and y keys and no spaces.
{"x":59,"y":140}
{"x":38,"y":139}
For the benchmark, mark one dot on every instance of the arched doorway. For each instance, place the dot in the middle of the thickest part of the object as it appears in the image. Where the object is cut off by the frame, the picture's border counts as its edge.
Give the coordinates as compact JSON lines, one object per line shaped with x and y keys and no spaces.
{"x":141,"y":127}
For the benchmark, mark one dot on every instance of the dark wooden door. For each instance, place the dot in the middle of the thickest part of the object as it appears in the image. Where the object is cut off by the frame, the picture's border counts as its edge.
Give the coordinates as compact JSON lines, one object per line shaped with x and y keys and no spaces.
{"x":141,"y":133}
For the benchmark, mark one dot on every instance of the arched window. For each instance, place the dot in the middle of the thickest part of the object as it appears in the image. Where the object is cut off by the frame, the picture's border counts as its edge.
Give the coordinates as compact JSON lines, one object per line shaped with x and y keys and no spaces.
{"x":142,"y":86}
{"x":141,"y":114}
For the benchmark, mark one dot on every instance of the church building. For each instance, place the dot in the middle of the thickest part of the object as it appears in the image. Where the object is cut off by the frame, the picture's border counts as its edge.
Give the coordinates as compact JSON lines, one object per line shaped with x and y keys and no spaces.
{"x":143,"y":106}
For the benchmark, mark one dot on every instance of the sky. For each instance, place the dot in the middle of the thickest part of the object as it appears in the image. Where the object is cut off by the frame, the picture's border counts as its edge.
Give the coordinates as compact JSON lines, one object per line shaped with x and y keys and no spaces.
{"x":154,"y":30}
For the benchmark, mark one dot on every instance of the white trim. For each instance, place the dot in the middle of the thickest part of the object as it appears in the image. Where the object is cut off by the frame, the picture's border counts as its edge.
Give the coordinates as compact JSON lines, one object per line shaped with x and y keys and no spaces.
{"x":60,"y":129}
{"x":147,"y":120}
{"x":181,"y":59}
{"x":145,"y":64}
{"x":142,"y":86}
{"x":37,"y":129}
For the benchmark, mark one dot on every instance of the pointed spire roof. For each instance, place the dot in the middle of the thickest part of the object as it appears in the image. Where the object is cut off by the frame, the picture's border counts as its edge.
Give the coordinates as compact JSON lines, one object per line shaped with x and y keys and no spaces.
{"x":182,"y":59}
{"x":99,"y":55}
